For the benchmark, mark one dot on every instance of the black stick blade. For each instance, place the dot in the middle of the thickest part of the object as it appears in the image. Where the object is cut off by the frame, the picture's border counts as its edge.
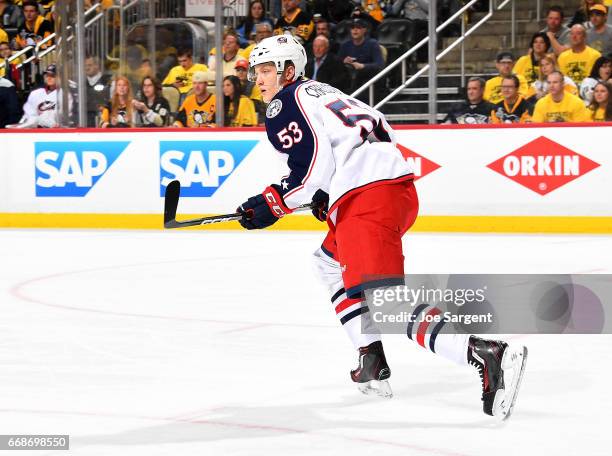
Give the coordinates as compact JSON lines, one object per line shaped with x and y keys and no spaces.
{"x":173,"y":192}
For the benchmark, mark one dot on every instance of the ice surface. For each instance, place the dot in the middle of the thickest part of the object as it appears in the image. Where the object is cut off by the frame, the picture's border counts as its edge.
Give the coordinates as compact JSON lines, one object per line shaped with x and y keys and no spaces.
{"x":223,"y":343}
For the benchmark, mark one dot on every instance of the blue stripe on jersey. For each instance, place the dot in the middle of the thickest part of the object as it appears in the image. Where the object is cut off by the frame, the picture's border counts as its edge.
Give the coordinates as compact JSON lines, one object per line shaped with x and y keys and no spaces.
{"x":290,"y":133}
{"x":349,"y":316}
{"x":327,"y":252}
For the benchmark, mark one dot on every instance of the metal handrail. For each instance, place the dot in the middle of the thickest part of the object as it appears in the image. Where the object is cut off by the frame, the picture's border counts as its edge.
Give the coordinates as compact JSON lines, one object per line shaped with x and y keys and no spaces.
{"x":16,"y":55}
{"x":413,"y":49}
{"x":438,"y":57}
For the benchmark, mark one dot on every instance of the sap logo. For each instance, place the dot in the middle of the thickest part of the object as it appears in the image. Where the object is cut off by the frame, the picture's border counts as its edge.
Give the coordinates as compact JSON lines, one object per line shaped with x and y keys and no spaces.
{"x":73,"y":168}
{"x":200,"y":166}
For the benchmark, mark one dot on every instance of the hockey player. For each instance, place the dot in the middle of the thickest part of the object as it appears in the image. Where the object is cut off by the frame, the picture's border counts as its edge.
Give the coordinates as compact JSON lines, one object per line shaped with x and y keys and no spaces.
{"x":40,"y":109}
{"x":342,"y":155}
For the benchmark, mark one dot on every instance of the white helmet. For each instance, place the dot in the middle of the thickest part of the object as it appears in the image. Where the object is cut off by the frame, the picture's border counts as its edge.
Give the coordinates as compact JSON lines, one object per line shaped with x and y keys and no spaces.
{"x":278,"y":50}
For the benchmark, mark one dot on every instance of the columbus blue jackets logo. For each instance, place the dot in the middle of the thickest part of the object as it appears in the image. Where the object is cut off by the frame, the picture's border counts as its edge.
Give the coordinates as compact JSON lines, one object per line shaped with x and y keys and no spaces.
{"x":274,"y":108}
{"x":281,"y":39}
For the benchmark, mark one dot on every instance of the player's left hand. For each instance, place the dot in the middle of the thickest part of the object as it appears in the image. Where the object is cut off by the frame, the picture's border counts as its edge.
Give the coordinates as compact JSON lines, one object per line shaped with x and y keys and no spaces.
{"x":263,"y":210}
{"x":320,"y":201}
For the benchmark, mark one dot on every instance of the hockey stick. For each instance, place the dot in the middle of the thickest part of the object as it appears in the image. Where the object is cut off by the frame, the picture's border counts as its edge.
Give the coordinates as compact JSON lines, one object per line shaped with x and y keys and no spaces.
{"x":173,"y":193}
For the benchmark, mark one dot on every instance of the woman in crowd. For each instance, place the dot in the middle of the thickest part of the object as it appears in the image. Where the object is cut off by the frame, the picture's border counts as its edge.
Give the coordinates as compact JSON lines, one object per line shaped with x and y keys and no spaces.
{"x":257,"y":14}
{"x":239,"y":110}
{"x":119,"y":112}
{"x":539,"y":88}
{"x":601,"y":72}
{"x":601,"y":107}
{"x":529,"y":65}
{"x":153,"y":110}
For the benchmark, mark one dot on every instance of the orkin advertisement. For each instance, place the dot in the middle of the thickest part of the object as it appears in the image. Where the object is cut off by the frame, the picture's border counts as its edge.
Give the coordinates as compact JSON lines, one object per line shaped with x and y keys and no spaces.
{"x":482,"y":179}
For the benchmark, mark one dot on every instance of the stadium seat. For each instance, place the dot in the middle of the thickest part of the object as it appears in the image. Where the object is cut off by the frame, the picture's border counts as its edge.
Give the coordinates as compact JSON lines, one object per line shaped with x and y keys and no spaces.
{"x":173,"y":96}
{"x":396,"y":34}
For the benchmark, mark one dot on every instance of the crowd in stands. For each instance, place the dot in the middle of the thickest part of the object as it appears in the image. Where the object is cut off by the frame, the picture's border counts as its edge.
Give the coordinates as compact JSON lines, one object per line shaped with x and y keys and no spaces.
{"x":564,"y":76}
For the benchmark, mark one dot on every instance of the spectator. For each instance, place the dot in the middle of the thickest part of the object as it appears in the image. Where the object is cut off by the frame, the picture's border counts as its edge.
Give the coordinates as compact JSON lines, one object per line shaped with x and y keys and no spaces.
{"x":98,"y":89}
{"x":418,"y":12}
{"x":298,"y":22}
{"x":577,"y":62}
{"x":262,"y":30}
{"x":10,"y":15}
{"x":539,"y":88}
{"x":153,"y":110}
{"x":119,"y":111}
{"x":599,"y":37}
{"x":602,"y":72}
{"x":11,"y":111}
{"x":198,"y":109}
{"x":504,"y":64}
{"x":372,"y":24}
{"x":374,"y":9}
{"x":231,"y":48}
{"x":40,"y":109}
{"x":558,"y":105}
{"x":601,"y":107}
{"x":529,"y":65}
{"x":474,"y":110}
{"x":323,"y":28}
{"x":325,"y":66}
{"x":514,"y":108}
{"x":181,"y":75}
{"x":362,"y":55}
{"x":34,"y":29}
{"x":13,"y":73}
{"x":557,"y":33}
{"x":581,"y":16}
{"x":257,"y":15}
{"x":239,"y":110}
{"x":250,"y":89}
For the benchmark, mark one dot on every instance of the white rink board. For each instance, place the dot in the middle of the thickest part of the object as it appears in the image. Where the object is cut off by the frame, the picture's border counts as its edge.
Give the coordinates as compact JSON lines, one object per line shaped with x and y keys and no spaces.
{"x":463,"y":185}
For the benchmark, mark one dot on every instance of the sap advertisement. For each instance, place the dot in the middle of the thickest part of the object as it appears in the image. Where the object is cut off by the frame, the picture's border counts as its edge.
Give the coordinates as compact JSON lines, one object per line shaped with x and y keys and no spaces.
{"x":534,"y":171}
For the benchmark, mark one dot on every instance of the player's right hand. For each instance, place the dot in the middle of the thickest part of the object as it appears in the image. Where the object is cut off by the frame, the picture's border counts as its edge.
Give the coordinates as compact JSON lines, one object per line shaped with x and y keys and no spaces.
{"x":320,"y":201}
{"x":261,"y":211}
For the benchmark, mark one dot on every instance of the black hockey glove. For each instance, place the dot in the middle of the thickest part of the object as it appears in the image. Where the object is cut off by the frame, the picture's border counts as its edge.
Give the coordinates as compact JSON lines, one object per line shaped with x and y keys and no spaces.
{"x":261,"y":211}
{"x":320,"y":201}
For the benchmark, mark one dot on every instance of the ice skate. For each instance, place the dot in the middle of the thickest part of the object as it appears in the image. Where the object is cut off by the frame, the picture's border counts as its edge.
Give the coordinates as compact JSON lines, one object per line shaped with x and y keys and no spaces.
{"x":373,"y":372}
{"x":501,"y":369}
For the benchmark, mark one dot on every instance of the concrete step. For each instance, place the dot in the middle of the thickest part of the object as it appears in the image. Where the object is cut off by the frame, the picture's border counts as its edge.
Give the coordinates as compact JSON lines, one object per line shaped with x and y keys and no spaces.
{"x":506,"y":14}
{"x":491,"y":42}
{"x":505,"y":27}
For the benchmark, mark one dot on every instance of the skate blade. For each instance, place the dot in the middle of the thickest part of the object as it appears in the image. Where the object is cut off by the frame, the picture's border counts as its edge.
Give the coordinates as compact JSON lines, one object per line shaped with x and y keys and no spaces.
{"x":379,"y":388}
{"x":513,"y":365}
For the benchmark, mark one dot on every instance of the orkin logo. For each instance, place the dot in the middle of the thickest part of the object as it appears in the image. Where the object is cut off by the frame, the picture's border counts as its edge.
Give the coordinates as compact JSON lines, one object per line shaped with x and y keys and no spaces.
{"x":543,"y":165}
{"x":422,"y":166}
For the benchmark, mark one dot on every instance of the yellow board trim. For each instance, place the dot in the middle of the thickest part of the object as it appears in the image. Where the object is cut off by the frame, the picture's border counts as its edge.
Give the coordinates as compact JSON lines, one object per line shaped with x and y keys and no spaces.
{"x":426,"y":223}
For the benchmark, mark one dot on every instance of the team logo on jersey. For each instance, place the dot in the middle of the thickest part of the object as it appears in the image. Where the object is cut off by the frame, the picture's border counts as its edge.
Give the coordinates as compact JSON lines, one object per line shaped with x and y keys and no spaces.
{"x":543,"y":165}
{"x":73,"y":168}
{"x":46,"y":106}
{"x":281,"y":39}
{"x":274,"y":108}
{"x":421,"y":166}
{"x":201,"y":166}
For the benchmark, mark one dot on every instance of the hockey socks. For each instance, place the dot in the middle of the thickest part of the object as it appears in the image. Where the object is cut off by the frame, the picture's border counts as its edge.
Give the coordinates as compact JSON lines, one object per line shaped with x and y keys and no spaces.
{"x":428,"y":335}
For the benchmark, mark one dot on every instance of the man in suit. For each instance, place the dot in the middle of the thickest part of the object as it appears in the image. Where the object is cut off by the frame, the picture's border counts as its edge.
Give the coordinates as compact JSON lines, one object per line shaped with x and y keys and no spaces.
{"x":325,"y":66}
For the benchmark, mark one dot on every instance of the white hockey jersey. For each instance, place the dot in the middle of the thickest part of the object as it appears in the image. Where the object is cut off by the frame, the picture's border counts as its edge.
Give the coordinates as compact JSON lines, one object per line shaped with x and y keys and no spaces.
{"x":332,"y":142}
{"x":40,"y":110}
